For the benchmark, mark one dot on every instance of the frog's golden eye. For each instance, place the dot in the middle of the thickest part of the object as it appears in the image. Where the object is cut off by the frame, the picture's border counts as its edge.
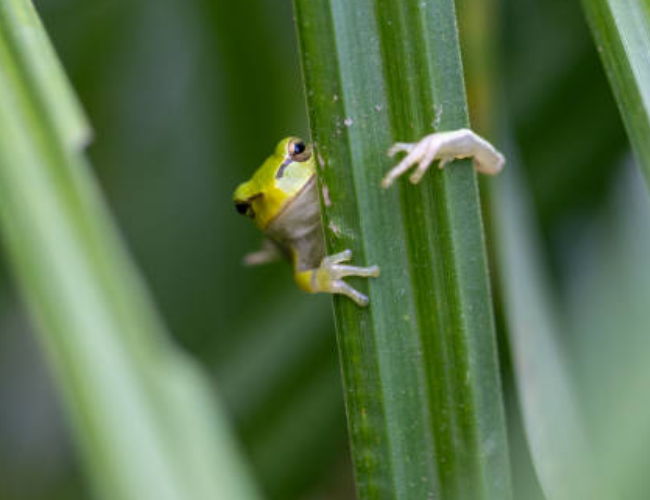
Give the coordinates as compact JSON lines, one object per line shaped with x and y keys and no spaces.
{"x":299,"y":151}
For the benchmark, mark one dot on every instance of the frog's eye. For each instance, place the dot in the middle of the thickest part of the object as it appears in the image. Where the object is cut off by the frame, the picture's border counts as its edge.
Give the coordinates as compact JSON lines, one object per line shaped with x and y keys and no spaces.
{"x":298,"y":148}
{"x":299,"y":151}
{"x":244,"y":208}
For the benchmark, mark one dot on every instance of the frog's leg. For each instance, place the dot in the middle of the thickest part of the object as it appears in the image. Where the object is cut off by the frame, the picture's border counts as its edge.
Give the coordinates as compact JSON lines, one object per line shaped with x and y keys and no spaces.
{"x":268,"y":253}
{"x":444,"y":146}
{"x":328,"y":277}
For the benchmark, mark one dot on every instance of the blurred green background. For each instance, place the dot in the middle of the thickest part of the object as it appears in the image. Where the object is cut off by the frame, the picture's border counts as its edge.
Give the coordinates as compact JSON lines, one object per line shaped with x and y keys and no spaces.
{"x":186,"y":98}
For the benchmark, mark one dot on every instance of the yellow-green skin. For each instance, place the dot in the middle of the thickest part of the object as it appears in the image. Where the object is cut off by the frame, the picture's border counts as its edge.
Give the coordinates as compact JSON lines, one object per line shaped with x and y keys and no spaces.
{"x":269,"y":196}
{"x":282,"y":199}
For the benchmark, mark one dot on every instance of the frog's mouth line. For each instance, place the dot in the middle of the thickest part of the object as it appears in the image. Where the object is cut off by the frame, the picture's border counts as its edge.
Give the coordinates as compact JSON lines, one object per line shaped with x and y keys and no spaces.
{"x":288,"y":161}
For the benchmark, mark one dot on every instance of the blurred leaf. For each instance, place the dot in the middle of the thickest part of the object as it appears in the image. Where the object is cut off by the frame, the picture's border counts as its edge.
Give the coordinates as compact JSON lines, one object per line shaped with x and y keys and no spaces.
{"x":422,"y":389}
{"x":143,"y":414}
{"x":552,"y":420}
{"x":552,"y":79}
{"x":622,"y":34}
{"x":44,"y":73}
{"x":607,"y":304}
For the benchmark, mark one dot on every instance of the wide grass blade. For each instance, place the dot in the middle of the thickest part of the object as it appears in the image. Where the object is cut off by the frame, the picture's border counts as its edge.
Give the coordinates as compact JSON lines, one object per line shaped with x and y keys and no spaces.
{"x":147,"y":425}
{"x":420,"y":371}
{"x":622,"y":34}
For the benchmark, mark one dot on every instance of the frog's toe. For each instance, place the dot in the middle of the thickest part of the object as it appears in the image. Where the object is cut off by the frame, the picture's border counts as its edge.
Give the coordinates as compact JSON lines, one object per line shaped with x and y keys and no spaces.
{"x":341,"y":287}
{"x":400,"y":147}
{"x":339,"y":271}
{"x":337,"y":258}
{"x":332,"y":266}
{"x":414,"y":155}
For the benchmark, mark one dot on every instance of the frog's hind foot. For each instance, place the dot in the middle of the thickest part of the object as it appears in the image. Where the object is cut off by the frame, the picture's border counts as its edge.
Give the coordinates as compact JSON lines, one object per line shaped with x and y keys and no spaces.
{"x":331,"y":272}
{"x":444,"y":146}
{"x":328,"y":277}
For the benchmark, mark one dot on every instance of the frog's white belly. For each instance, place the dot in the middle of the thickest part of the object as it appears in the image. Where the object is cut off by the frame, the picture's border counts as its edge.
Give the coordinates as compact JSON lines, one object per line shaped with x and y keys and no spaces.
{"x":297,"y":230}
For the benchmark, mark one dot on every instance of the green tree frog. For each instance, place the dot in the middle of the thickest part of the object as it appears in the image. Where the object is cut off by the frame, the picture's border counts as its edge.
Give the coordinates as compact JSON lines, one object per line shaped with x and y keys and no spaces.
{"x":282,"y":200}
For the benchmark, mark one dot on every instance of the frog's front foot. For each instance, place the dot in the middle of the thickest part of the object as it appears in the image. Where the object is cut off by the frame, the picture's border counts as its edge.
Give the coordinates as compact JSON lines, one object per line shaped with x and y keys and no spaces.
{"x":328,"y":277}
{"x":268,"y":253}
{"x":444,"y":146}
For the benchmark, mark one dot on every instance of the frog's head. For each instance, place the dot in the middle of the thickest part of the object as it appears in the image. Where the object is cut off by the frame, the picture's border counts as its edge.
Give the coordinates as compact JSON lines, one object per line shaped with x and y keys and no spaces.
{"x":278,"y":181}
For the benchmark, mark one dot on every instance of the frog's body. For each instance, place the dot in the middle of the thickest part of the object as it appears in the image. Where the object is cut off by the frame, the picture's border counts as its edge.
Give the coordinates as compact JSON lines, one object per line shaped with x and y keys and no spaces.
{"x":298,"y":230}
{"x":282,"y":199}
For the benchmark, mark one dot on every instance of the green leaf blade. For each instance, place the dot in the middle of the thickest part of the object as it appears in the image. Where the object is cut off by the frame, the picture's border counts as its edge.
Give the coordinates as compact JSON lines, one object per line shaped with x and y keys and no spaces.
{"x":421,"y":379}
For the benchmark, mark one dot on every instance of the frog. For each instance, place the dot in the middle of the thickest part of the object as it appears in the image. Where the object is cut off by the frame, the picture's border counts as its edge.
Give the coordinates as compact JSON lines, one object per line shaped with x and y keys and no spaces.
{"x":282,"y":200}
